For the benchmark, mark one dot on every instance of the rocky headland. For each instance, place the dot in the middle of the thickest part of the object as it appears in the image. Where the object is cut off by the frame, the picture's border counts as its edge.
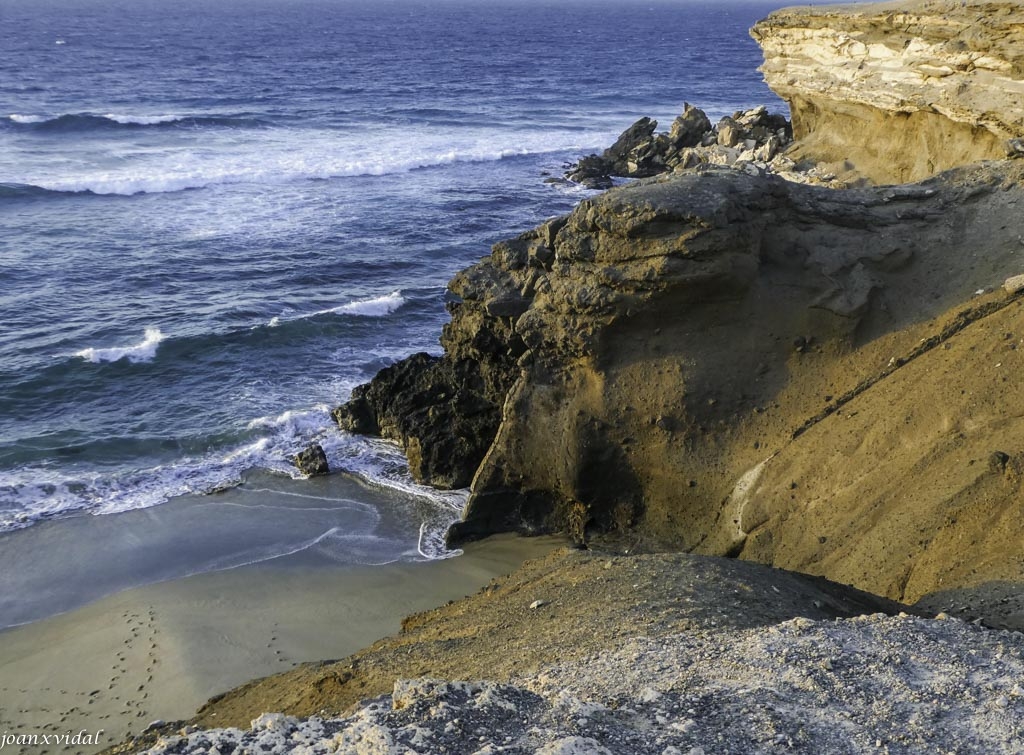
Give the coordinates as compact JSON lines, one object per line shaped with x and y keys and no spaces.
{"x":739,"y":365}
{"x":716,"y":360}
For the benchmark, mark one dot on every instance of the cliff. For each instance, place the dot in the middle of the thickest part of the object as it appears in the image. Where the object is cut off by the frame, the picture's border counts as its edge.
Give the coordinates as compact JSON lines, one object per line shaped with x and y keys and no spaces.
{"x":747,"y":366}
{"x":731,"y":363}
{"x":899,"y":90}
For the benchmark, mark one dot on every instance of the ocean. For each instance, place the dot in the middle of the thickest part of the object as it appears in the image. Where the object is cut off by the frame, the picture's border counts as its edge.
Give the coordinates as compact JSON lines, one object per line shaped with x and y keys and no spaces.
{"x":216,"y":219}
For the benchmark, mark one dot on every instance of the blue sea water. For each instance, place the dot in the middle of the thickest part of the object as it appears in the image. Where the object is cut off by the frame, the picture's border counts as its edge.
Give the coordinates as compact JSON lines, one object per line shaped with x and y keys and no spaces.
{"x":217,"y":218}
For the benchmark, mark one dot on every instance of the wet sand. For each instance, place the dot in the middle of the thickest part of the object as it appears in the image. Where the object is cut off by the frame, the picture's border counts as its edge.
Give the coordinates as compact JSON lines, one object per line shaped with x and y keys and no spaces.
{"x":160,"y":651}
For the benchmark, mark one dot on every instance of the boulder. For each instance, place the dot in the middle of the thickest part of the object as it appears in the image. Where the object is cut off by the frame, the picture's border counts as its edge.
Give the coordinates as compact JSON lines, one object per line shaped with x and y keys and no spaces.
{"x":729,"y":133}
{"x":312,"y":461}
{"x":688,"y":129}
{"x":636,"y":135}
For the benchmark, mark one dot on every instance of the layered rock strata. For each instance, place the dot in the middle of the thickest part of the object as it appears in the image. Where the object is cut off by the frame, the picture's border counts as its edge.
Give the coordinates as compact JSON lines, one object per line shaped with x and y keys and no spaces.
{"x":900,"y":90}
{"x":682,"y":359}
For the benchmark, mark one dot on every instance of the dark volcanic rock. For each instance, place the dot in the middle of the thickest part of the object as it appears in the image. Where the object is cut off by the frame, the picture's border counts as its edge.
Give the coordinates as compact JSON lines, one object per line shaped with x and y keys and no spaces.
{"x":446,"y":411}
{"x":312,"y":460}
{"x":437,"y":409}
{"x":593,"y":172}
{"x":637,"y":137}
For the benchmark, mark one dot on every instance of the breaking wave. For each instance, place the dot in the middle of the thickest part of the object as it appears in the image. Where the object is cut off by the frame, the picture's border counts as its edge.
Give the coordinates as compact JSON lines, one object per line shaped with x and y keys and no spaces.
{"x":282,"y":157}
{"x":144,"y":351}
{"x":91,"y":121}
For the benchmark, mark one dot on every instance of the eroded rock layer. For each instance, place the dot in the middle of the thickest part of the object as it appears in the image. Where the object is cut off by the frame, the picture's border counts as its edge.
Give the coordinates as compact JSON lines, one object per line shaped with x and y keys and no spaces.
{"x":900,"y":90}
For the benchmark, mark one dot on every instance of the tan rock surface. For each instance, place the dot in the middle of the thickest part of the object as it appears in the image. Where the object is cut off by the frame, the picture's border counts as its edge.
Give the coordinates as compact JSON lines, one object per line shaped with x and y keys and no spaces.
{"x":690,"y":326}
{"x":899,"y":90}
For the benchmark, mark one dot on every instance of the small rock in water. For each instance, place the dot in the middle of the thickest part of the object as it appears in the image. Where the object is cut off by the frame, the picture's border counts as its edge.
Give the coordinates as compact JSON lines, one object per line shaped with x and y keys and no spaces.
{"x":312,"y":460}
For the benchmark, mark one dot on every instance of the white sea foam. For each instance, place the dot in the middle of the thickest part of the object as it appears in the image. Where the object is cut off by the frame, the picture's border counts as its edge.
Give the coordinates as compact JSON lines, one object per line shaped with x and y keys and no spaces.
{"x":336,"y":504}
{"x":379,"y":306}
{"x":279,"y":157}
{"x":251,"y":452}
{"x":261,"y":555}
{"x":299,"y":423}
{"x":375,"y":463}
{"x":26,"y":119}
{"x":431,"y":544}
{"x":381,"y":463}
{"x":139,"y":352}
{"x":141,"y":120}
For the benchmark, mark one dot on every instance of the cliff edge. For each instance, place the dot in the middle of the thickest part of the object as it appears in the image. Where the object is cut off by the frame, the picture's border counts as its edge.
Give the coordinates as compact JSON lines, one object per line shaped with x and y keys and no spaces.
{"x":900,"y":90}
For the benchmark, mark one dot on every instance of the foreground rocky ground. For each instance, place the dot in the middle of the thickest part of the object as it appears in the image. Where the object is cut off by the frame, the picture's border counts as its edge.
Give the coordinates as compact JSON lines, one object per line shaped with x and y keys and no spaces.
{"x":661,"y":653}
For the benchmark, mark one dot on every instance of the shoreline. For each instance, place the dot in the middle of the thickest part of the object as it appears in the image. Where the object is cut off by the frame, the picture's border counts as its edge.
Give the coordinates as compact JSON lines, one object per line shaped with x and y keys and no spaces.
{"x":174,"y":644}
{"x":66,"y":563}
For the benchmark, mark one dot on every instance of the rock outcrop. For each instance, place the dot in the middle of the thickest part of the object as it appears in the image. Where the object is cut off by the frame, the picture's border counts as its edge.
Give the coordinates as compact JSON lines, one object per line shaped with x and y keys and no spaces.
{"x":750,"y":137}
{"x":312,"y":461}
{"x":900,"y":91}
{"x":444,"y":412}
{"x":682,"y":356}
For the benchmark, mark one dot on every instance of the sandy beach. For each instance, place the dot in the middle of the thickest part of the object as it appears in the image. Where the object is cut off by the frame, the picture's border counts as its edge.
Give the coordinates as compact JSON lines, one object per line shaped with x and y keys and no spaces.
{"x":160,"y":651}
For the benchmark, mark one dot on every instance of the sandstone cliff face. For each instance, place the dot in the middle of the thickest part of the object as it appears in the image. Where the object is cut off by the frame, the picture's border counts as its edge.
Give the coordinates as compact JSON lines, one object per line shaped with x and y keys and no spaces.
{"x":730,"y":363}
{"x":900,"y":90}
{"x":691,"y":351}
